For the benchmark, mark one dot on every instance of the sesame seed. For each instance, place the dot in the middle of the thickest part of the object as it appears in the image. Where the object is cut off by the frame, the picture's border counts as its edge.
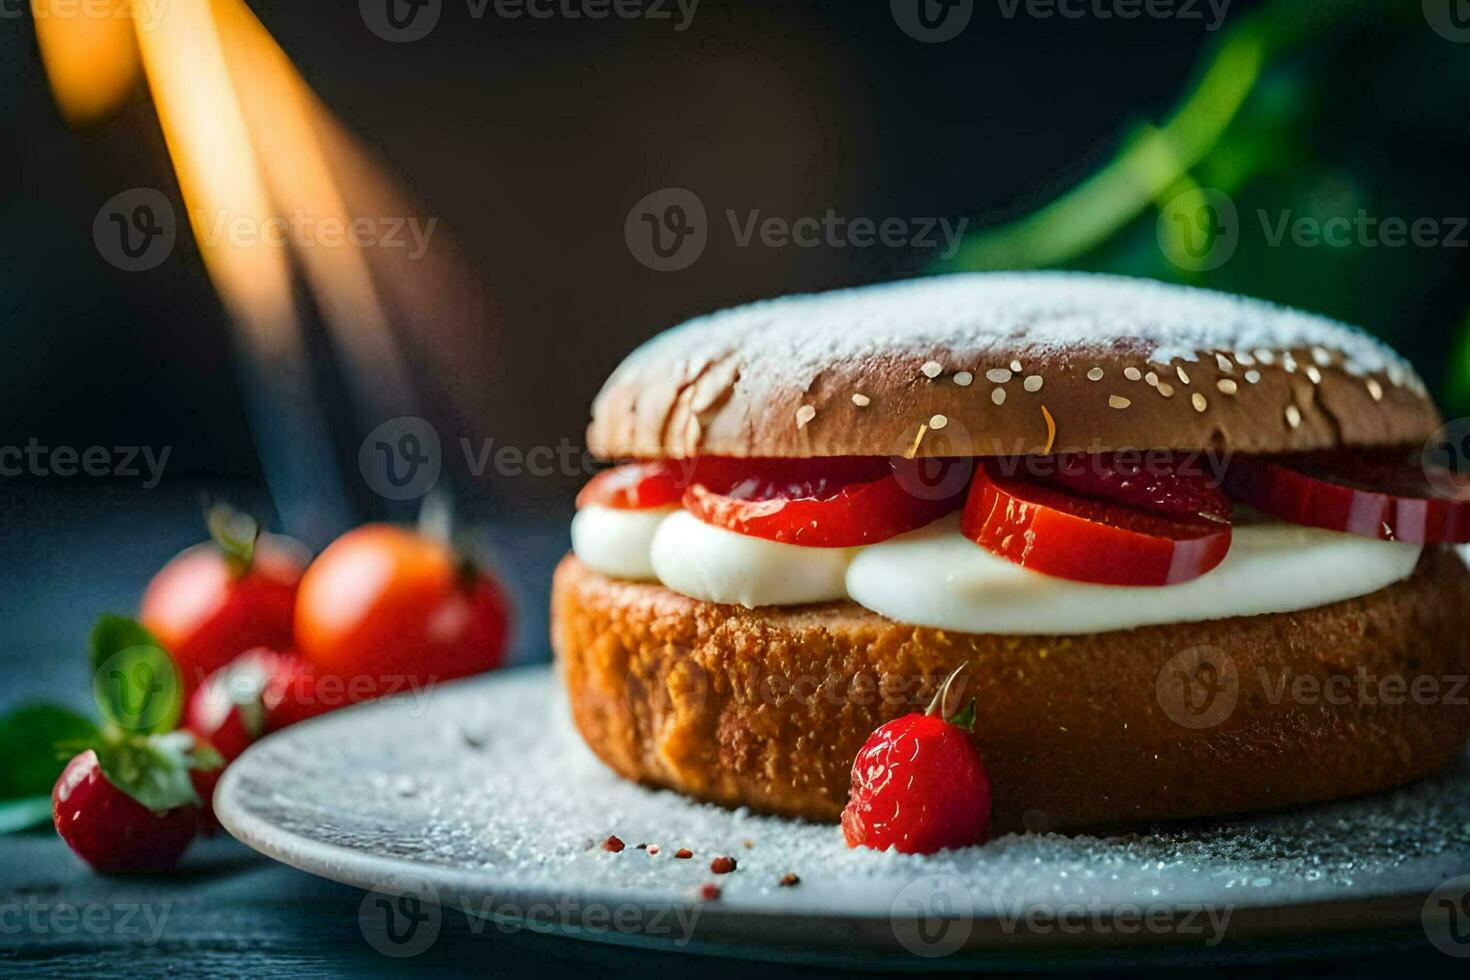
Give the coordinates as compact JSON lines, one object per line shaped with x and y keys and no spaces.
{"x":1151,"y":379}
{"x":1265,"y":356}
{"x":1314,"y":375}
{"x":1118,"y":401}
{"x":861,"y":400}
{"x":1375,"y":389}
{"x":938,"y":422}
{"x":805,"y":414}
{"x":1320,"y":355}
{"x":1396,"y":375}
{"x":1253,"y":376}
{"x":1224,"y":363}
{"x":1226,"y":386}
{"x":1289,"y":363}
{"x":1132,"y":373}
{"x":998,"y":395}
{"x":1199,"y":402}
{"x":1095,"y":374}
{"x":1166,"y":389}
{"x":1183,"y":378}
{"x":1244,"y":359}
{"x":918,"y":438}
{"x":1016,"y":367}
{"x":999,"y":375}
{"x":1293,"y":416}
{"x":931,"y":369}
{"x":963,"y":379}
{"x":1032,"y":383}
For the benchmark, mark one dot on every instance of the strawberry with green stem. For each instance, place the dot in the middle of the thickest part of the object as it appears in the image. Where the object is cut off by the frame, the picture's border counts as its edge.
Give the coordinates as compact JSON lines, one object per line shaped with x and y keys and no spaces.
{"x":918,"y":783}
{"x":127,"y":801}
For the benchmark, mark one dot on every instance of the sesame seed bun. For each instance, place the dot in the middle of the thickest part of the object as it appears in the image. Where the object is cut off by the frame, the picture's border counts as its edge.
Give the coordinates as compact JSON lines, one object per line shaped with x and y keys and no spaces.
{"x":767,"y":707}
{"x":993,"y":364}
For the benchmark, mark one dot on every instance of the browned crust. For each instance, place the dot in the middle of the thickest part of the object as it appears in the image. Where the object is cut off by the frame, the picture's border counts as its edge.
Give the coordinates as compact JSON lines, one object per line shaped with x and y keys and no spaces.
{"x":682,"y":410}
{"x":778,"y":379}
{"x":698,"y":697}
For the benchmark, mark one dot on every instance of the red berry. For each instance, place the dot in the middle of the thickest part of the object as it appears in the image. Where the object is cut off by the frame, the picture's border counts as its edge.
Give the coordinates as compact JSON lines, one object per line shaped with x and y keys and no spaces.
{"x":258,"y":692}
{"x":918,"y":786}
{"x":110,"y":830}
{"x":206,"y":609}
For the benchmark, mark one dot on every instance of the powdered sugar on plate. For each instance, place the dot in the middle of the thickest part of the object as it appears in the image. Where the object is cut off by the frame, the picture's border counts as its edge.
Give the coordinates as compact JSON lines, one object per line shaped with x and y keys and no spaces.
{"x":484,"y":790}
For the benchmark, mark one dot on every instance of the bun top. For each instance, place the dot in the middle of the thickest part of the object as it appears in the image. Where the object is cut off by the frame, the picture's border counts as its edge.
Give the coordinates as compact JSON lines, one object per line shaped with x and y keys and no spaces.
{"x":1008,"y":363}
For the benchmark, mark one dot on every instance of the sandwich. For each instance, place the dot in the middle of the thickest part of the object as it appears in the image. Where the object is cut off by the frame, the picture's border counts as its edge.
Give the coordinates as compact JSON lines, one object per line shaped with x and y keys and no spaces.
{"x":1191,"y":553}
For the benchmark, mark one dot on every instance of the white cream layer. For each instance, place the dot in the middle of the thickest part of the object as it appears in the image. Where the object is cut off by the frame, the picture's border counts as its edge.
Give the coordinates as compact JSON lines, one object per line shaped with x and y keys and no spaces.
{"x":710,"y":563}
{"x":616,"y":543}
{"x":936,"y":577}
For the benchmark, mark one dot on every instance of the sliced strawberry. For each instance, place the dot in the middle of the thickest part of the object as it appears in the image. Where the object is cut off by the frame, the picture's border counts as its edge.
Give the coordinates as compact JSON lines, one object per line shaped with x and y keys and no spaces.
{"x":836,"y":502}
{"x":1104,"y":518}
{"x":1386,"y":495}
{"x":638,"y":486}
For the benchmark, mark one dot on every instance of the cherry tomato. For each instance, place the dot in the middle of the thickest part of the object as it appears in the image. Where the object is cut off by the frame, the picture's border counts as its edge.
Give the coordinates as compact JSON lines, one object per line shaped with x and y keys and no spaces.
{"x":639,"y":486}
{"x":391,"y":607}
{"x":1098,"y":518}
{"x":1383,"y":495}
{"x":208,"y":606}
{"x":836,"y":502}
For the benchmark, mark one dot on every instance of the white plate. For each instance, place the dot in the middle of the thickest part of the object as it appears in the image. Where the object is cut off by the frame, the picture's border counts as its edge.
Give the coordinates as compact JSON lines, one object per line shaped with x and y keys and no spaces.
{"x":480,"y":797}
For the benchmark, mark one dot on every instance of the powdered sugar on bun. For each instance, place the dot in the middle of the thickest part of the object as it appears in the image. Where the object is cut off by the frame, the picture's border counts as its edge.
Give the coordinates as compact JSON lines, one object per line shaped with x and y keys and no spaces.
{"x":1115,"y":362}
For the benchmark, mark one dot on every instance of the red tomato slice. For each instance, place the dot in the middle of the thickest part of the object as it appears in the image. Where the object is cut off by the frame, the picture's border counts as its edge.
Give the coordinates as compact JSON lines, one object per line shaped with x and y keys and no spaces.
{"x":1384,"y":495}
{"x":1098,"y":518}
{"x":836,"y":502}
{"x":639,"y":486}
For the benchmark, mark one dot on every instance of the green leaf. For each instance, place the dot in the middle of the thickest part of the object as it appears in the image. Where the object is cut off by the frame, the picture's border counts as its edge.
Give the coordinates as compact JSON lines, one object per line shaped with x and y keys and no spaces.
{"x":135,"y":682}
{"x":235,"y":533}
{"x":153,"y":770}
{"x":29,"y":738}
{"x":24,"y":813}
{"x":965,"y":717}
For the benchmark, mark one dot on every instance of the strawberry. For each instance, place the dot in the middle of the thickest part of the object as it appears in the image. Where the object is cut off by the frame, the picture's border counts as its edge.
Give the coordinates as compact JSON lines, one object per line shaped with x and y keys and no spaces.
{"x":918,"y":783}
{"x":256,"y":693}
{"x":128,"y":806}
